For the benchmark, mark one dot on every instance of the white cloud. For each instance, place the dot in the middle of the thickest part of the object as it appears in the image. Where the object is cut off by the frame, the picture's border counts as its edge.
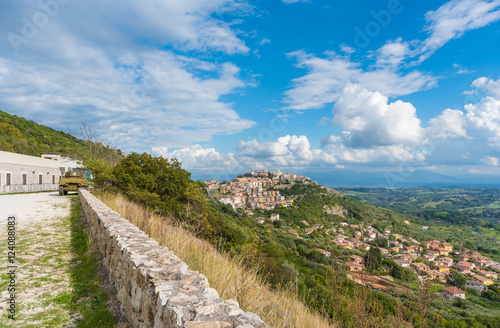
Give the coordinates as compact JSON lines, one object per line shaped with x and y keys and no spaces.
{"x":286,"y":151}
{"x":484,"y":118}
{"x":449,"y":124}
{"x":369,"y":120}
{"x":159,"y":97}
{"x":374,"y":132}
{"x":296,"y":151}
{"x":393,"y":53}
{"x":336,"y":148}
{"x":454,"y":18}
{"x":346,"y":49}
{"x":264,"y":41}
{"x":257,"y":149}
{"x":116,"y":74}
{"x":490,"y":160}
{"x":198,"y":158}
{"x":324,"y":121}
{"x":488,"y":86}
{"x":293,"y":1}
{"x":289,"y":152}
{"x":327,"y":77}
{"x":448,"y":22}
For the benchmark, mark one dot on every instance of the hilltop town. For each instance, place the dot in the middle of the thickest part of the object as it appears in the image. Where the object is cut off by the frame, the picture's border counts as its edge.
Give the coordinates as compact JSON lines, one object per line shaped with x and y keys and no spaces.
{"x":257,"y":189}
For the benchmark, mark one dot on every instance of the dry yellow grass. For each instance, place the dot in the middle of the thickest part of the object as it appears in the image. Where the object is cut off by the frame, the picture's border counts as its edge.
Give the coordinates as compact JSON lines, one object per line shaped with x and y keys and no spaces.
{"x":225,"y":273}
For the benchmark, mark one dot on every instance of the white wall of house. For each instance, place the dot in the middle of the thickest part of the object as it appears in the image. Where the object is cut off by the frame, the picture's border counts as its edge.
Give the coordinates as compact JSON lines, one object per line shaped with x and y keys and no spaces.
{"x":23,"y":173}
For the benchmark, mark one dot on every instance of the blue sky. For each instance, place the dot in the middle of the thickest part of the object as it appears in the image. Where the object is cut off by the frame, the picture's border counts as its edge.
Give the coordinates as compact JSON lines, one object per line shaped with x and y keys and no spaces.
{"x":226,"y":86}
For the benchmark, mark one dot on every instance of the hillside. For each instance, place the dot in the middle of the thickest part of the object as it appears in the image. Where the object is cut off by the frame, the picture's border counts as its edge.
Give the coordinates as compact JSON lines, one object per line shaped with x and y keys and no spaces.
{"x":471,"y":214}
{"x":27,"y":137}
{"x":319,"y":243}
{"x":326,"y":230}
{"x":300,"y":236}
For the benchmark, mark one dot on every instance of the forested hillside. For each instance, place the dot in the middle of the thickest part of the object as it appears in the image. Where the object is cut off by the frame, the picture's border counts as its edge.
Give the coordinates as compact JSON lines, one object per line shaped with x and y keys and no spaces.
{"x":22,"y":136}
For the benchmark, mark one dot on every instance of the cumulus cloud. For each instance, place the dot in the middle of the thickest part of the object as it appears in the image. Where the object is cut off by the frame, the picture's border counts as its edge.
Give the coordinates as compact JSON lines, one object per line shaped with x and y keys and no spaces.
{"x":336,"y":148}
{"x":289,"y":152}
{"x":471,"y":135}
{"x":328,"y":76}
{"x":296,"y":151}
{"x":368,"y":119}
{"x":488,"y":86}
{"x":374,"y":131}
{"x":285,"y":151}
{"x":450,"y":123}
{"x":198,"y":158}
{"x":484,"y":118}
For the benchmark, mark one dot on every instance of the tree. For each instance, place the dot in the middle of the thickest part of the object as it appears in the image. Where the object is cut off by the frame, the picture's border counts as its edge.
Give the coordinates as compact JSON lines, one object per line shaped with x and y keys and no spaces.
{"x":163,"y":186}
{"x":373,"y":259}
{"x":381,"y":242}
{"x":419,"y":260}
{"x":94,"y":141}
{"x":456,"y":279}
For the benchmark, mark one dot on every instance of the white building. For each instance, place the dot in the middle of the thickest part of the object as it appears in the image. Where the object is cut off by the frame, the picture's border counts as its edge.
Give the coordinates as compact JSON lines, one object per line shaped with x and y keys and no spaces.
{"x":452,"y":292}
{"x":23,"y":173}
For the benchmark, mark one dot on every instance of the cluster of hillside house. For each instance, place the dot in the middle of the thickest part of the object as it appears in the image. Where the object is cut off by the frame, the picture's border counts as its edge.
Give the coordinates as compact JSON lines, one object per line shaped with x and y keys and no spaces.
{"x":434,"y":261}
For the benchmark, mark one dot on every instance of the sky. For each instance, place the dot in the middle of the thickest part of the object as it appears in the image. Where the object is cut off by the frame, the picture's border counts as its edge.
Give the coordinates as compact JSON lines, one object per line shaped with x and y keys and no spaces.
{"x":226,"y":86}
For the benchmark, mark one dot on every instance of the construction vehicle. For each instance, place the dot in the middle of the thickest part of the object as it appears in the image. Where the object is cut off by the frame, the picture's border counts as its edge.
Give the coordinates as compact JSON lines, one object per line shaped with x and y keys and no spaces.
{"x":72,"y":181}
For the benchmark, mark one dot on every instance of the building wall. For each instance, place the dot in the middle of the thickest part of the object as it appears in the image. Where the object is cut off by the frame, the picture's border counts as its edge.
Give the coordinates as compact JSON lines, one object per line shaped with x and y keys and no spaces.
{"x":26,"y":172}
{"x":450,"y":296}
{"x":33,"y":175}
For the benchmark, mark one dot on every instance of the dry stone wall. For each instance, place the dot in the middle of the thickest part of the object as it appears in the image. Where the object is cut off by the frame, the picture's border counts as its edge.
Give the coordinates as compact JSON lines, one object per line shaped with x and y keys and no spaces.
{"x":155,"y":288}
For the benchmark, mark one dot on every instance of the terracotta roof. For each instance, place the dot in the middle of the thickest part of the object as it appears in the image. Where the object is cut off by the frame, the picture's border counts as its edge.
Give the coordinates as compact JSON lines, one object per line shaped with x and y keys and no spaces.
{"x":453,"y":290}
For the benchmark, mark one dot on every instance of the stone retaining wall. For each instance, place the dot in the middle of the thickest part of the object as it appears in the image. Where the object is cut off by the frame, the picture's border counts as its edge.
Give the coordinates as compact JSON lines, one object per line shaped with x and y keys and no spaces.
{"x":156,"y":288}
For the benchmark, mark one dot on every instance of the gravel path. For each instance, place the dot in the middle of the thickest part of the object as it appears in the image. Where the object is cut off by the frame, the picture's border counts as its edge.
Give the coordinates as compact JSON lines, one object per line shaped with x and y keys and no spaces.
{"x":42,"y":259}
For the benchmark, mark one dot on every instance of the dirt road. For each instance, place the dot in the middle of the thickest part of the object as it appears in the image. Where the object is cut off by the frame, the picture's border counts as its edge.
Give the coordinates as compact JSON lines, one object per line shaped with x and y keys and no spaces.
{"x":42,"y":258}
